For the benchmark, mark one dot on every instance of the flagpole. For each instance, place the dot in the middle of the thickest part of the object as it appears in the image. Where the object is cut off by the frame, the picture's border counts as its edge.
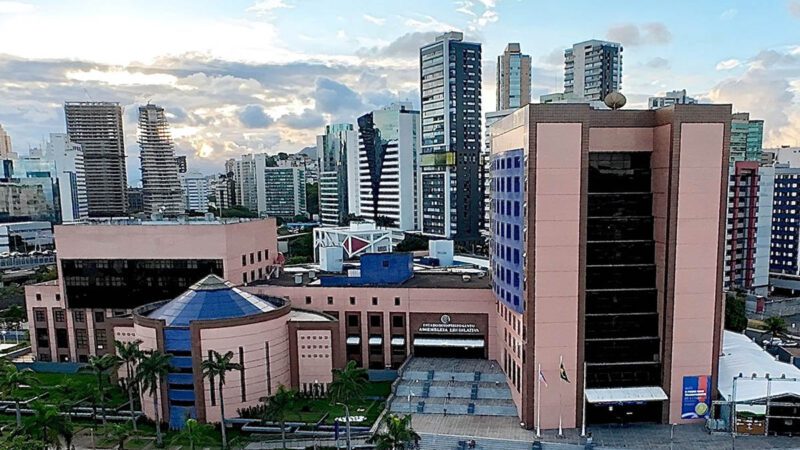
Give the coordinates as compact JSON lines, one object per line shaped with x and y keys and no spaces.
{"x":560,"y":429}
{"x":583,"y":406}
{"x":539,"y":401}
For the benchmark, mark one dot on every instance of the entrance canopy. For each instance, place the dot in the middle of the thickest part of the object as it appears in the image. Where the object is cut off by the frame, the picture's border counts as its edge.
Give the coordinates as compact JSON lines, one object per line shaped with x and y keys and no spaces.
{"x":448,"y":342}
{"x":626,"y":394}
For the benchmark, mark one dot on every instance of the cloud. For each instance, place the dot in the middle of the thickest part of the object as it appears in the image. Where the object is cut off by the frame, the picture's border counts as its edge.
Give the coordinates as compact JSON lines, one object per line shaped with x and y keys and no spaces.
{"x":307,"y":119}
{"x":16,"y":8}
{"x":405,"y":46}
{"x":374,"y":20}
{"x":254,"y":116}
{"x":728,"y":64}
{"x":653,"y":33}
{"x":333,"y":97}
{"x":729,"y":14}
{"x":428,"y":23}
{"x":263,"y":7}
{"x":657,"y":63}
{"x":479,"y":19}
{"x":794,"y":8}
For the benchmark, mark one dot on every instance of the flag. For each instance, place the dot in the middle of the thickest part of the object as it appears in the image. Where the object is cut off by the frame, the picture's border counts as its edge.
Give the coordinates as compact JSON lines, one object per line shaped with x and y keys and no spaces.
{"x":563,"y":370}
{"x":542,"y":378}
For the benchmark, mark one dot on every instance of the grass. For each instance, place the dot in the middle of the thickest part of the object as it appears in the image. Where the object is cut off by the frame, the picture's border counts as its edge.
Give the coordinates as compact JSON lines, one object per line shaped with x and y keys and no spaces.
{"x":315,"y":409}
{"x":378,"y":389}
{"x":50,"y":383}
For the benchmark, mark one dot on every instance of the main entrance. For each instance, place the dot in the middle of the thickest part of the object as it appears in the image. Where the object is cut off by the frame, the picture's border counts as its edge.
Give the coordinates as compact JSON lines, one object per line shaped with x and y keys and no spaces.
{"x":449,"y":346}
{"x":449,"y":335}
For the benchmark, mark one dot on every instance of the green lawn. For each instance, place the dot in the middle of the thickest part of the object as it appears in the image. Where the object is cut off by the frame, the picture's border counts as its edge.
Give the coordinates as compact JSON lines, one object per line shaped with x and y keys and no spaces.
{"x":312,"y":410}
{"x":78,"y":384}
{"x":378,"y":389}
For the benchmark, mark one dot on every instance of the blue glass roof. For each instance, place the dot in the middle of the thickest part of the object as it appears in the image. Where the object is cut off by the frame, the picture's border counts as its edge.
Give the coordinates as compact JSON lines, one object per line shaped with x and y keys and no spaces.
{"x":209,"y":299}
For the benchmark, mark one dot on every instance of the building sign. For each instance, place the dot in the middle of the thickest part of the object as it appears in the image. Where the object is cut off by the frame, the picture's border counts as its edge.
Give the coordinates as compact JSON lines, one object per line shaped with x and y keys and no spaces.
{"x":696,"y":402}
{"x":446,"y":326}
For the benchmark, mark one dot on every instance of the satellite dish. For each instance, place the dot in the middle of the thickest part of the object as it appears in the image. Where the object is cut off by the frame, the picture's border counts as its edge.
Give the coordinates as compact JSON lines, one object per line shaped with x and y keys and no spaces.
{"x":615,"y":100}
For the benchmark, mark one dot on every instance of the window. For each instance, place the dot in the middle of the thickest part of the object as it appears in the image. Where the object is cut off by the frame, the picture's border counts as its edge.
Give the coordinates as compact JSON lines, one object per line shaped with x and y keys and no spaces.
{"x":385,"y":263}
{"x":252,"y":275}
{"x":244,"y":278}
{"x":397,"y":321}
{"x":308,"y":300}
{"x":352,"y":320}
{"x":352,"y":300}
{"x":252,"y":258}
{"x":375,"y":320}
{"x":78,"y":316}
{"x":99,"y":316}
{"x":397,"y":301}
{"x":244,"y":260}
{"x":259,"y":256}
{"x":58,"y":315}
{"x":330,"y":300}
{"x":81,"y":338}
{"x":61,"y":338}
{"x":58,"y":297}
{"x":38,"y":297}
{"x":374,"y":301}
{"x":100,"y":339}
{"x":39,"y":315}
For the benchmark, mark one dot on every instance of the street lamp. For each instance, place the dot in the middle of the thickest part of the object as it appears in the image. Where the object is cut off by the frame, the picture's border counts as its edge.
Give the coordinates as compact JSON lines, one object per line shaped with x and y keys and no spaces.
{"x":347,"y":420}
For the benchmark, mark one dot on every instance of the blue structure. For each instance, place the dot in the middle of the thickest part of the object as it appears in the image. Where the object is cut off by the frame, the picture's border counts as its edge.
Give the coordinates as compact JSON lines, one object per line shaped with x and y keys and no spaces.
{"x":212,"y":298}
{"x":377,"y":269}
{"x":508,"y":169}
{"x":785,"y":220}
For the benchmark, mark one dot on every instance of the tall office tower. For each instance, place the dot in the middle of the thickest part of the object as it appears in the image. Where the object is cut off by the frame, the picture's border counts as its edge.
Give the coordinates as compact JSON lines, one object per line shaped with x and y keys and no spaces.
{"x":388,"y":155}
{"x":785,"y":254}
{"x":70,"y":174}
{"x":607,"y":252}
{"x":671,"y":98}
{"x":513,"y":78}
{"x":450,"y":77}
{"x":337,"y":151}
{"x":592,"y":69}
{"x":5,"y":144}
{"x":161,"y":187}
{"x":244,"y":180}
{"x":746,"y":138}
{"x":195,"y":188}
{"x":181,"y":162}
{"x":749,"y":227}
{"x":97,"y":127}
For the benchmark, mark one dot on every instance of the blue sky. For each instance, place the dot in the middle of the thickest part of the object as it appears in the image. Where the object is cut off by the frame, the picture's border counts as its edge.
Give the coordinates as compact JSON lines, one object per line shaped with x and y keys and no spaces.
{"x":251,"y":76}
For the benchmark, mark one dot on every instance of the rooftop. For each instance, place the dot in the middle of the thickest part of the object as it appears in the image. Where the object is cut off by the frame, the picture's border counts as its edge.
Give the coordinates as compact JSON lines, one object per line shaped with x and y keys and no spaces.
{"x":129,"y":221}
{"x":429,"y":280}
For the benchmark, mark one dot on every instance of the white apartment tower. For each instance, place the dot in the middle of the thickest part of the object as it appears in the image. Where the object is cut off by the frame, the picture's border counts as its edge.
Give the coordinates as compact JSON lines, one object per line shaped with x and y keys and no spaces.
{"x":389,"y":145}
{"x":70,"y":175}
{"x":161,"y":189}
{"x":196,"y":188}
{"x":592,"y":69}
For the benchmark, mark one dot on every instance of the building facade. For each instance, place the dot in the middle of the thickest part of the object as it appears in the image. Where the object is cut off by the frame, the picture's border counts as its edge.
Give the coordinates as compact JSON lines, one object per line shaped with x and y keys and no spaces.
{"x":592,"y":69}
{"x":135,"y":200}
{"x":244,"y":176}
{"x":97,"y":127}
{"x":388,"y":155}
{"x":106,"y":270}
{"x":784,"y":254}
{"x":24,"y":202}
{"x":746,"y":138}
{"x":5,"y":144}
{"x":486,"y":163}
{"x":180,"y":161}
{"x":195,"y":188}
{"x":607,"y":257}
{"x":671,"y":98}
{"x":337,"y":151}
{"x":70,"y":176}
{"x":513,"y":78}
{"x":284,"y":192}
{"x":161,"y":188}
{"x":450,"y":87}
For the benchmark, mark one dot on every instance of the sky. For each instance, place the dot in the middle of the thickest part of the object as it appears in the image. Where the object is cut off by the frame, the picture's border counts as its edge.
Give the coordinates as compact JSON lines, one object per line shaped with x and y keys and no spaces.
{"x":249,"y":76}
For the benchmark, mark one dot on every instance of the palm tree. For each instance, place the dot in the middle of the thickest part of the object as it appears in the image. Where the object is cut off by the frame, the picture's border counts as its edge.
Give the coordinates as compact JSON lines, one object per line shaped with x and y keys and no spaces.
{"x":43,"y":425}
{"x":66,"y":429}
{"x":216,"y":366}
{"x":11,"y":382}
{"x":348,"y":383}
{"x":277,"y":408}
{"x":398,"y":434}
{"x":129,"y":353}
{"x":119,"y":433}
{"x":100,"y":365}
{"x":776,"y":325}
{"x":194,"y":433}
{"x":150,"y":373}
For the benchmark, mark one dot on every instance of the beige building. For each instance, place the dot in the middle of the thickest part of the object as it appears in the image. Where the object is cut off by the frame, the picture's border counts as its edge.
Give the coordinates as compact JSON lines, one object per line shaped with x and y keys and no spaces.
{"x":513,"y":78}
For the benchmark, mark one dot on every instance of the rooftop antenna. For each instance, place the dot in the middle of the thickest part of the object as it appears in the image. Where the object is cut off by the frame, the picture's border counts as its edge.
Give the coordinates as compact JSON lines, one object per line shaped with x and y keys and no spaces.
{"x":87,"y":95}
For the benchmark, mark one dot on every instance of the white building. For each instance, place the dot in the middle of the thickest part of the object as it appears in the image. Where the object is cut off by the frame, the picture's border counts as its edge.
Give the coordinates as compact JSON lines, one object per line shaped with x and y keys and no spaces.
{"x":70,"y":176}
{"x":389,"y":145}
{"x":244,"y":176}
{"x":5,"y":144}
{"x":593,"y":69}
{"x":196,"y":188}
{"x":337,"y":151}
{"x":671,"y":98}
{"x":161,"y":189}
{"x":786,"y":155}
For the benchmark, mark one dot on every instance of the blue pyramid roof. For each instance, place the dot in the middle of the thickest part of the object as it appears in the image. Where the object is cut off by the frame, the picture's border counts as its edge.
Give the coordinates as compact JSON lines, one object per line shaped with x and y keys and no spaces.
{"x":209,"y":299}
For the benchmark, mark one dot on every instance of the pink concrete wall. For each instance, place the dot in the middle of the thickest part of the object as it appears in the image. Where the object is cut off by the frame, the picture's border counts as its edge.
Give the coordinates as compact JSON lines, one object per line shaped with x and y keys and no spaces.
{"x":123,"y":335}
{"x":696,"y":263}
{"x":621,"y":139}
{"x":556,"y":267}
{"x":314,"y":356}
{"x":149,"y":342}
{"x":252,"y":338}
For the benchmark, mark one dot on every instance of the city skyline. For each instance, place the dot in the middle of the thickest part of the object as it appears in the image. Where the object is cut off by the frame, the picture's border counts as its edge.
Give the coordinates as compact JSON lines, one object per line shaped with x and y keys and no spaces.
{"x":262,"y":82}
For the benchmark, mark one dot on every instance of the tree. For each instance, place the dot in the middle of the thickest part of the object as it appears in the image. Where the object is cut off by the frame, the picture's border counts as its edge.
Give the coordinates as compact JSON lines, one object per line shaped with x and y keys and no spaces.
{"x":216,"y":366}
{"x":129,"y":353}
{"x":312,"y":198}
{"x":16,"y":442}
{"x":150,"y":373}
{"x":100,"y":366}
{"x":348,"y":383}
{"x":412,"y":242}
{"x":398,"y":434}
{"x":119,"y":433}
{"x":277,"y":407}
{"x":302,"y":245}
{"x":44,"y":425}
{"x":735,"y":317}
{"x":195,"y":433}
{"x":13,"y":316}
{"x":385,"y":222}
{"x":776,"y":326}
{"x":11,"y":382}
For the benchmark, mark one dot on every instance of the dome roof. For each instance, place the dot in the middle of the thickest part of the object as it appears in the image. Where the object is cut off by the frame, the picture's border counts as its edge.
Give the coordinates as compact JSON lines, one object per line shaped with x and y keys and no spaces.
{"x":211,"y":298}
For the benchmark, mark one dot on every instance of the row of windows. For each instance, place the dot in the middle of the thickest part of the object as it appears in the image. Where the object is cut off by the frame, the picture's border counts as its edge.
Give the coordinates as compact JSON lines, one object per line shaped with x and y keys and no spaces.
{"x":255,"y":256}
{"x":375,"y":301}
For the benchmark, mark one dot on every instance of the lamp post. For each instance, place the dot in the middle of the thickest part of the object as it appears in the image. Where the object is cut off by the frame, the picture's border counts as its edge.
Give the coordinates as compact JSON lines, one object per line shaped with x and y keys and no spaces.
{"x":347,"y":420}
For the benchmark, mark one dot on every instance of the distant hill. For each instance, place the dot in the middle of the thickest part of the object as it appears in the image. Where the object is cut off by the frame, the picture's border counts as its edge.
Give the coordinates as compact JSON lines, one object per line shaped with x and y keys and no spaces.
{"x":311,"y":152}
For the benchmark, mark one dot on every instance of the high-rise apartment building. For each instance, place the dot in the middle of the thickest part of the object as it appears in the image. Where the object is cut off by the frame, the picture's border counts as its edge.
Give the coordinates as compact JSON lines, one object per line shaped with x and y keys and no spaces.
{"x":450,"y":191}
{"x":284,"y":192}
{"x":161,"y":188}
{"x":5,"y":144}
{"x":244,"y":176}
{"x":196,"y":189}
{"x":746,"y":138}
{"x":607,"y":252}
{"x":748,"y":227}
{"x":671,"y":98}
{"x":337,"y":151}
{"x":389,"y":144}
{"x":70,"y":175}
{"x":486,"y":163}
{"x":592,"y":69}
{"x":181,"y":163}
{"x":784,"y":248}
{"x":513,"y":78}
{"x":97,"y":127}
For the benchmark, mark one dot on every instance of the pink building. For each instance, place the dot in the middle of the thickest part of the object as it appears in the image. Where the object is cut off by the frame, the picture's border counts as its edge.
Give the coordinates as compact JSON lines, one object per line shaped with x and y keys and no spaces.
{"x":607,"y":253}
{"x":106,"y":270}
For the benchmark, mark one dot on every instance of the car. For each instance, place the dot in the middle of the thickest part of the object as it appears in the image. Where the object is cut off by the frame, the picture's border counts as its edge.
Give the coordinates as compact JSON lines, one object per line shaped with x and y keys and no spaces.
{"x":772,"y":341}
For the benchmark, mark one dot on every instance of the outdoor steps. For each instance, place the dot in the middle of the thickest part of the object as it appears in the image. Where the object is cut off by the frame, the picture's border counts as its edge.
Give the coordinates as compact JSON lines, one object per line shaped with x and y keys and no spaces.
{"x":481,"y":390}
